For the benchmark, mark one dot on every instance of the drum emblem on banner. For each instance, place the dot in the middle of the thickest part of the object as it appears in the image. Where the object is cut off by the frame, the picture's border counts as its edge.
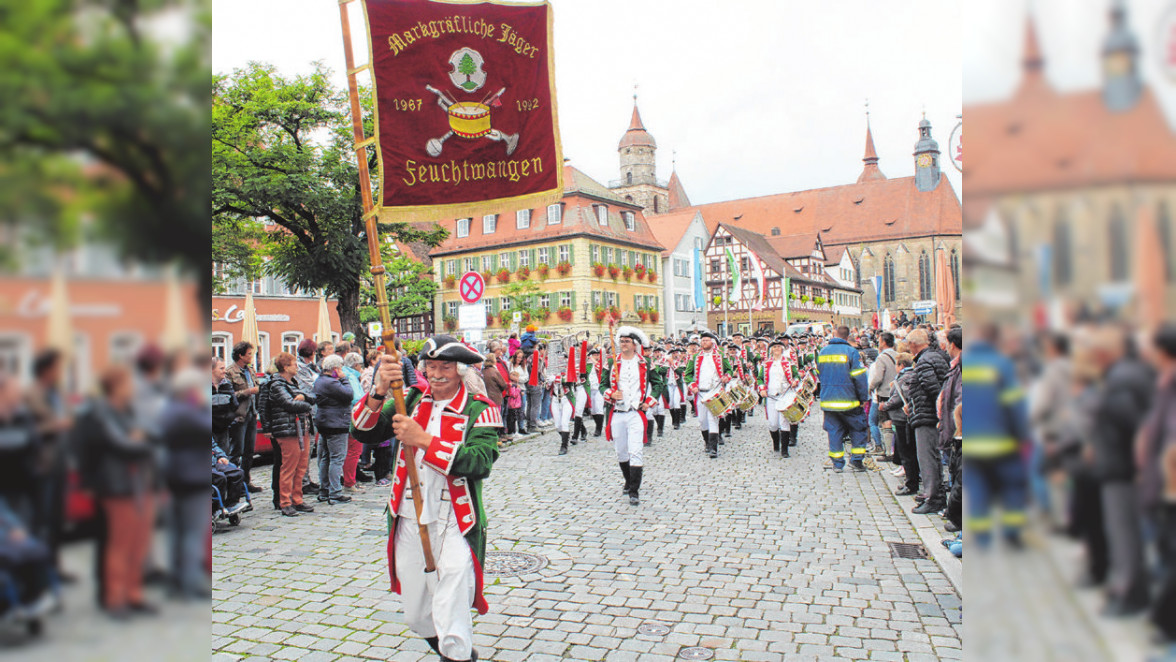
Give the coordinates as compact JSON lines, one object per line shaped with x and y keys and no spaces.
{"x":469,"y":120}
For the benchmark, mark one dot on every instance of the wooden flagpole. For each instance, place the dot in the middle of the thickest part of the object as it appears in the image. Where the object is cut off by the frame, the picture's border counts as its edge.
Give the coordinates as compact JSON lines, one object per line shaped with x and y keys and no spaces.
{"x":377,"y":269}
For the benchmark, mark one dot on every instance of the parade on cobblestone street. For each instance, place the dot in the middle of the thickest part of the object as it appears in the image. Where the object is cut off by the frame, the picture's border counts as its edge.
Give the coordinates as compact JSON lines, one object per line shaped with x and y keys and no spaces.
{"x":749,"y":557}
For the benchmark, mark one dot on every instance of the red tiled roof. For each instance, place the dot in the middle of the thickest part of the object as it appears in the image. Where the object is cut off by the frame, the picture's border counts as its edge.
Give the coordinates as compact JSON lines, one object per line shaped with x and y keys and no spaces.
{"x":889,"y":209}
{"x":759,"y":245}
{"x":579,"y":218}
{"x":677,"y":197}
{"x":794,"y":246}
{"x":636,"y":134}
{"x":1040,"y":139}
{"x":668,"y":228}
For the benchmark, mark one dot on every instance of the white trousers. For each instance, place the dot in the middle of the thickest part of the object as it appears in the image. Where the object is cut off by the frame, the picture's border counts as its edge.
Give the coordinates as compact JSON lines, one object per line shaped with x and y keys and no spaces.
{"x":675,"y":397}
{"x":658,"y":409}
{"x":561,"y":411}
{"x":706,"y":420}
{"x":581,"y":402}
{"x":597,"y":402}
{"x":628,"y":433}
{"x":776,"y":420}
{"x":438,"y":606}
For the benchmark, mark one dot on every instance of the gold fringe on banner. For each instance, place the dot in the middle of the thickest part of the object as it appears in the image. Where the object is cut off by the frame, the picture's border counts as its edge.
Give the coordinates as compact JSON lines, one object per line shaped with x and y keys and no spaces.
{"x":448,"y":212}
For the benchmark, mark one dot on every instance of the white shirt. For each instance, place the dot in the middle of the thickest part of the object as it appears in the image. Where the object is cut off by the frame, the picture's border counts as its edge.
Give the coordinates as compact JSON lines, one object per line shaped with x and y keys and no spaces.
{"x":708,"y":376}
{"x":775,"y":378}
{"x":432,"y":483}
{"x":629,"y":381}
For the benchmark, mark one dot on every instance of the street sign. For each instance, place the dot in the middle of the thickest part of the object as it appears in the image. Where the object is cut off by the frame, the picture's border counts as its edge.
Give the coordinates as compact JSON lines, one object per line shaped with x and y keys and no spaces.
{"x":471,"y":287}
{"x":516,"y":318}
{"x":471,"y":316}
{"x":926,"y":303}
{"x":375,"y":330}
{"x":473,"y":335}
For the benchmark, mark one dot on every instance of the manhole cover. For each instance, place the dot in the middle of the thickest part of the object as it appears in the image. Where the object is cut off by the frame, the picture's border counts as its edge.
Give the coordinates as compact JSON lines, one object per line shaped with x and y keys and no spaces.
{"x":655,"y":629}
{"x":512,"y":564}
{"x":696,"y":653}
{"x":906,"y":550}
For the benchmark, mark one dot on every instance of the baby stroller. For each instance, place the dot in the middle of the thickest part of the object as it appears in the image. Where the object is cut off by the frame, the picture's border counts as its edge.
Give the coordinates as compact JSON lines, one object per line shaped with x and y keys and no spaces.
{"x":221,"y":513}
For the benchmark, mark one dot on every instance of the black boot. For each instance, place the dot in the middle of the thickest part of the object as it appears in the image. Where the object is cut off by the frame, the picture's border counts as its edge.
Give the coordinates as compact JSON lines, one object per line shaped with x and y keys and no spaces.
{"x":775,"y":440}
{"x":563,"y":443}
{"x":783,"y":443}
{"x":627,"y":473}
{"x":634,"y":485}
{"x":737,"y":417}
{"x":712,"y":444}
{"x":793,"y":431}
{"x":599,"y":418}
{"x":682,"y":413}
{"x":675,"y":417}
{"x":578,"y":431}
{"x":705,"y":441}
{"x":661,"y":423}
{"x":648,"y":432}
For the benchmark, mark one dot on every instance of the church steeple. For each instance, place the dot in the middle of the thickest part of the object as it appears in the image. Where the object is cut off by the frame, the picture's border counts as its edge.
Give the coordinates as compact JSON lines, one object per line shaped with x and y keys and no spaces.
{"x":870,"y":172}
{"x":1122,"y":85}
{"x":638,"y":152}
{"x":926,"y":158}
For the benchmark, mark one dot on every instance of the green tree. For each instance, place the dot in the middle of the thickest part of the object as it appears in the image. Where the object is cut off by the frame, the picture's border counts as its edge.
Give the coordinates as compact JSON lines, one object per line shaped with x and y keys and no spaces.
{"x":521,"y":294}
{"x":410,"y":287}
{"x":467,"y":66}
{"x":118,"y":115}
{"x":282,"y":152}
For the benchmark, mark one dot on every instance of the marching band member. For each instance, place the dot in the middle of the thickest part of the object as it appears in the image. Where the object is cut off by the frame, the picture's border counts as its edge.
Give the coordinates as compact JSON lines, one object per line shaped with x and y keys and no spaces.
{"x":562,"y":400}
{"x":452,"y":436}
{"x":790,"y":354}
{"x":628,"y":379}
{"x":658,"y":378}
{"x":579,"y":394}
{"x":707,"y":374}
{"x":775,"y":384}
{"x":731,"y":419}
{"x":596,"y":384}
{"x":674,"y":382}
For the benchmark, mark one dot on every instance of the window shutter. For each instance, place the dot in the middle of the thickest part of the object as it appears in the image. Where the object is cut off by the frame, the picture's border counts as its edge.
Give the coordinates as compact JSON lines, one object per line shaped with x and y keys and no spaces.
{"x":534,"y":264}
{"x":572,"y":254}
{"x":514,"y":260}
{"x":573,"y":306}
{"x":632,"y":258}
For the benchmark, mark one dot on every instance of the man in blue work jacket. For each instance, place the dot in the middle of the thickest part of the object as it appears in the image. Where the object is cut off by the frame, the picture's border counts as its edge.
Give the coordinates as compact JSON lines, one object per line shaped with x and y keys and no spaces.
{"x":844,"y":388}
{"x":996,"y":429}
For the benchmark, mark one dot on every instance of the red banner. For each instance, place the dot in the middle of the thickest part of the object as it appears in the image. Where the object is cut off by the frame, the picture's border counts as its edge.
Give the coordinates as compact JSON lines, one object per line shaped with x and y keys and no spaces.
{"x":465,"y":99}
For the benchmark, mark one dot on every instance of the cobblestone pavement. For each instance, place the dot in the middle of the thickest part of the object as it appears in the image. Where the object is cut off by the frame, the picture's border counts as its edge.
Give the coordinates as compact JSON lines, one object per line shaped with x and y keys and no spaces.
{"x":81,"y":631}
{"x":750,"y":556}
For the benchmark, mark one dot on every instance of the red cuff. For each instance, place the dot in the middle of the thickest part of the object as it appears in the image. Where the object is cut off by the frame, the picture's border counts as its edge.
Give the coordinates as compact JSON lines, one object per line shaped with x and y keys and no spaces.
{"x":362,"y":418}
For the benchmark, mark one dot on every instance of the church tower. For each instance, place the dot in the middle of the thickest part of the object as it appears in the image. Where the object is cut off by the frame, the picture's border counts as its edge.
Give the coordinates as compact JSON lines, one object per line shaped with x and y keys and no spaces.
{"x":638,"y":183}
{"x":926,"y":159}
{"x":1122,"y":85}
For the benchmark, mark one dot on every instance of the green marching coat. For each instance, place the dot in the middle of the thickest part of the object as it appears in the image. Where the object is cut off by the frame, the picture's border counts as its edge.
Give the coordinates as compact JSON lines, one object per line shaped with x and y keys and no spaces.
{"x":464,"y":453}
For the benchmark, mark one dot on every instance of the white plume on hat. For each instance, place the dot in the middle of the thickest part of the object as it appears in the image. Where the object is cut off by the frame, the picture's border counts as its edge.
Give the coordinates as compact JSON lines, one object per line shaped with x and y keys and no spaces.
{"x":634,"y":333}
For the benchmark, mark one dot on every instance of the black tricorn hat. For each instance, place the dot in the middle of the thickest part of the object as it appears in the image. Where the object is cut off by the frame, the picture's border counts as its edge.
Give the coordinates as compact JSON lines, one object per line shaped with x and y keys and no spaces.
{"x":448,"y":348}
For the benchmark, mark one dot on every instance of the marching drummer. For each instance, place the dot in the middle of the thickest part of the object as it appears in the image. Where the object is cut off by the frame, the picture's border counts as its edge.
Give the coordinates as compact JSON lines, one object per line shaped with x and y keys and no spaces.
{"x":790,"y":355}
{"x":628,"y":402}
{"x":674,"y":383}
{"x":777,"y":385}
{"x":732,"y":419}
{"x":707,"y":374}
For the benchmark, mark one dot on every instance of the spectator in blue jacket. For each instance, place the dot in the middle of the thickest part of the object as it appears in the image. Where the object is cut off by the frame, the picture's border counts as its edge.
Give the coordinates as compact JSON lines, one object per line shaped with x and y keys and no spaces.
{"x":335,"y":395}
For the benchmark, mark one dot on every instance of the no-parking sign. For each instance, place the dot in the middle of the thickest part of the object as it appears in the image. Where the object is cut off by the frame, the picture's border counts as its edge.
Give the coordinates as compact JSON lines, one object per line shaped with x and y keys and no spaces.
{"x":471,"y":287}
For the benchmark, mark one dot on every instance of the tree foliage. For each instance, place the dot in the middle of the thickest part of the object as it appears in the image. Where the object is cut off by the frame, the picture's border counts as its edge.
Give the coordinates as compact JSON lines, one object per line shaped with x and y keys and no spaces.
{"x":282,"y":151}
{"x":105,"y":116}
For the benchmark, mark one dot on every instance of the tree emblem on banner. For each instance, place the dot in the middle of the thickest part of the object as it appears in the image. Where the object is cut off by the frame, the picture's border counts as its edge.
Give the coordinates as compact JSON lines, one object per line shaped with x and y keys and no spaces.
{"x":467,"y":71}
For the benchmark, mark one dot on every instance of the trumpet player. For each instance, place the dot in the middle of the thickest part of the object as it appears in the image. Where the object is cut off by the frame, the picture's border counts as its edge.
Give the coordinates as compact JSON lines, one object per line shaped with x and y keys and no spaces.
{"x":776,"y":382}
{"x":707,"y":374}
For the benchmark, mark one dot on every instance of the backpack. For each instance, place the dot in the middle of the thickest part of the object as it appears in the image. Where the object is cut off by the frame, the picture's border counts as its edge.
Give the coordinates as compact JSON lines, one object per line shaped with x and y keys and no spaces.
{"x":264,"y":412}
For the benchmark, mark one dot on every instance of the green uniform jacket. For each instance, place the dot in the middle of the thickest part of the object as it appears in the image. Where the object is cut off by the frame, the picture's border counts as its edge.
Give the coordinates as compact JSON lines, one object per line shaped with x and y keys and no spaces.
{"x":463,"y":452}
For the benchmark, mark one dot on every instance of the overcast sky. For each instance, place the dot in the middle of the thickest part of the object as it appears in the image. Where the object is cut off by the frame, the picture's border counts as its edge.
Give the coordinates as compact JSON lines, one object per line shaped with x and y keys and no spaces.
{"x":757,"y":97}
